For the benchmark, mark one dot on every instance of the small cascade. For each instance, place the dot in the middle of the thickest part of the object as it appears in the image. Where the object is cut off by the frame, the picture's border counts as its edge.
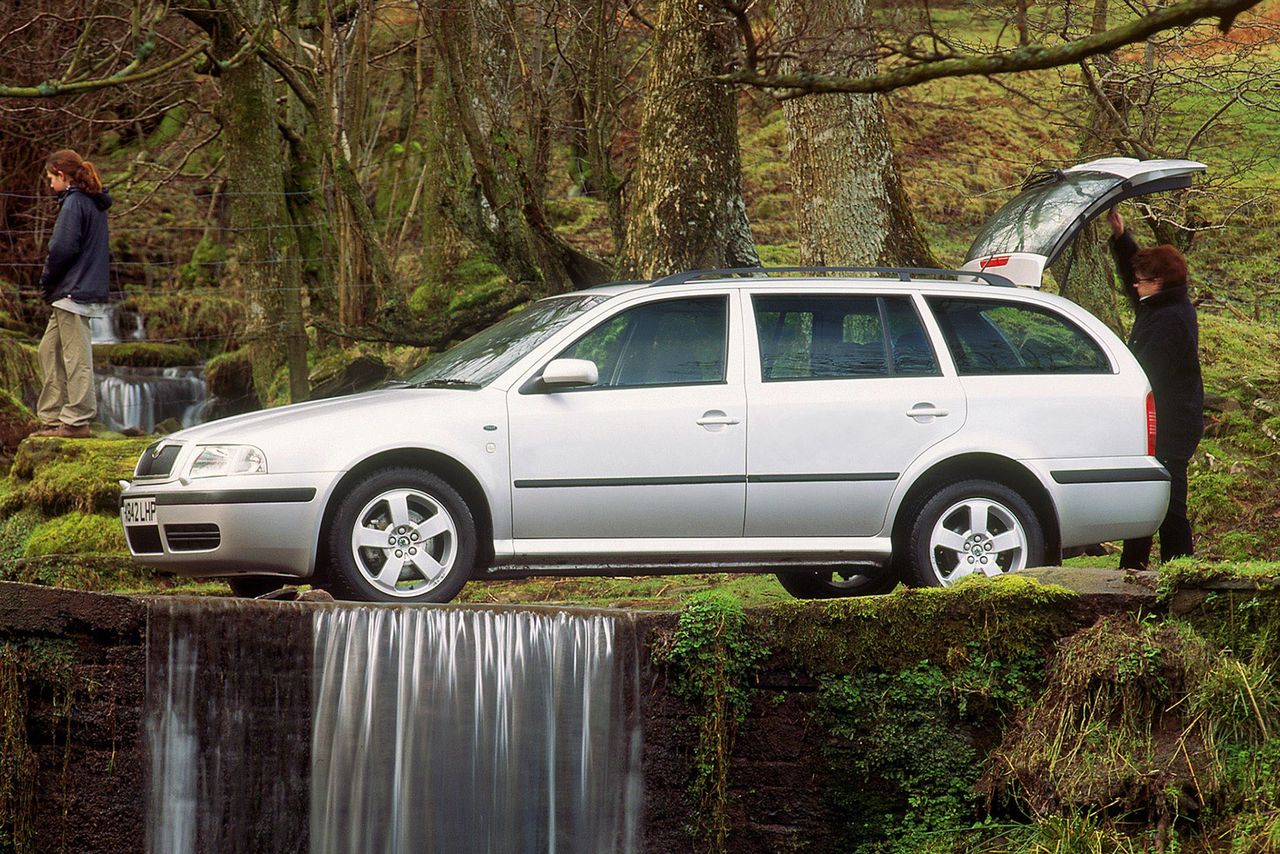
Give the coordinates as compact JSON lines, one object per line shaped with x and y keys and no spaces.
{"x":102,"y":329}
{"x":143,"y":397}
{"x":420,"y":729}
{"x":451,"y":730}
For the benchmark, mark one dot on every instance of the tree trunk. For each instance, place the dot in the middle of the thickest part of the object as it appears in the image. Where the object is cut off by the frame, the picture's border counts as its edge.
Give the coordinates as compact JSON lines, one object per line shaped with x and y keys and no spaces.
{"x":1085,"y":274}
{"x":264,"y":255}
{"x":852,"y":206}
{"x":685,"y":206}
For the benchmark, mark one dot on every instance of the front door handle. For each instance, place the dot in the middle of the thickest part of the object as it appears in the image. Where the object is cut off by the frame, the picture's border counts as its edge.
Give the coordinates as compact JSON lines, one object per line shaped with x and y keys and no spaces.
{"x":927,"y":410}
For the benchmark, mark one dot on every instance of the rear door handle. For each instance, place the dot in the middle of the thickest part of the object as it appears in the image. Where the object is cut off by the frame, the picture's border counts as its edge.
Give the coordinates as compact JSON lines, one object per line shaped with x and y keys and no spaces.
{"x":927,"y":409}
{"x":715,"y":417}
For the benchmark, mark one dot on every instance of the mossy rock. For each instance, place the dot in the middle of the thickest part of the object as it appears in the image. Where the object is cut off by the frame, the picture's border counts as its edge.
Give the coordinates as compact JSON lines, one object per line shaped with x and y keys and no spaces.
{"x":61,"y":475}
{"x":19,"y":368}
{"x":15,"y":530}
{"x":1007,"y":616}
{"x":101,"y":572}
{"x":146,"y":355}
{"x":230,"y":375}
{"x":16,"y":421}
{"x":213,"y":322}
{"x":77,"y":534}
{"x":346,"y":371}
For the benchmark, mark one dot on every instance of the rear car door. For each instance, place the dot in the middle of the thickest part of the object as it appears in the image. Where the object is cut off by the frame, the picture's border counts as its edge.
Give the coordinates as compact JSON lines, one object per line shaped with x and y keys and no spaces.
{"x":1031,"y":230}
{"x":656,"y":448}
{"x":844,"y":391}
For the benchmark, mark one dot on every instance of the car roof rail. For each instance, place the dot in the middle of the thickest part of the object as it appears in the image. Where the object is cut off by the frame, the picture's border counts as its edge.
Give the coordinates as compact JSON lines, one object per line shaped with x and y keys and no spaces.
{"x":904,"y":274}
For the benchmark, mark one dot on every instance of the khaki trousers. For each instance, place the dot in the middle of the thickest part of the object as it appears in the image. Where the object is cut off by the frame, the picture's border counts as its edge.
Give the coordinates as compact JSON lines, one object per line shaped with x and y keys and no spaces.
{"x":66,"y":365}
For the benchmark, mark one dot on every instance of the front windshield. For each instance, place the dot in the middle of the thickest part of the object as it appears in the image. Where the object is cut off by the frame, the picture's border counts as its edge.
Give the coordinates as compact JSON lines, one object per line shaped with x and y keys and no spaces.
{"x":485,"y":355}
{"x":1036,"y":218}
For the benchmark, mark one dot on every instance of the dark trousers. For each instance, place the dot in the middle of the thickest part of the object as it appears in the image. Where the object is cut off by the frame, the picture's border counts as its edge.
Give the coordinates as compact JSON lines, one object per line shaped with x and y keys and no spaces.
{"x":1175,"y":530}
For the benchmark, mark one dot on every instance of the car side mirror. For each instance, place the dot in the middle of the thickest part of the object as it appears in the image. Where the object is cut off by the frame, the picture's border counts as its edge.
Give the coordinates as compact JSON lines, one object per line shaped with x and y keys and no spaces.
{"x":570,"y":372}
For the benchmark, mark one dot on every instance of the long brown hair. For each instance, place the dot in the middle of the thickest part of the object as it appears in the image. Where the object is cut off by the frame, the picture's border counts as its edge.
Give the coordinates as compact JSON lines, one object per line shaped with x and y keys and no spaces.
{"x":80,"y":172}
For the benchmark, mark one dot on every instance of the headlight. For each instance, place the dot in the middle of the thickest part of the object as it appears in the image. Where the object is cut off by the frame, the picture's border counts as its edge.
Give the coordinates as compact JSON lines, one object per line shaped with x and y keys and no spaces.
{"x":219,"y":460}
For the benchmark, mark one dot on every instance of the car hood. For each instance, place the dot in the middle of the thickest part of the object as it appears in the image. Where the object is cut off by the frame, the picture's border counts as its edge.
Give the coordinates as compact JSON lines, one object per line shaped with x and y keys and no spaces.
{"x":1030,"y":231}
{"x":322,"y":434}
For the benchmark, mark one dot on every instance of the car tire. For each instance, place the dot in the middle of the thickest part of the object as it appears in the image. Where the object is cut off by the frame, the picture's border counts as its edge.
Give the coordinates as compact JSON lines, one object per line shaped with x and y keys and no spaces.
{"x":253,"y":586}
{"x":972,"y":527}
{"x":828,"y":584}
{"x":401,"y":535}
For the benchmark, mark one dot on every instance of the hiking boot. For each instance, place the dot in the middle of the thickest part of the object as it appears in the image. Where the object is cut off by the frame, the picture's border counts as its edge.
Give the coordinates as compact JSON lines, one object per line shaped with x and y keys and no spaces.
{"x":72,"y":431}
{"x":47,"y":430}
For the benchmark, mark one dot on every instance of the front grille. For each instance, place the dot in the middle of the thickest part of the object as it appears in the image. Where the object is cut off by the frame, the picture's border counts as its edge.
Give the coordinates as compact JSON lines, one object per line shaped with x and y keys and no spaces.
{"x":157,"y":461}
{"x":144,"y":539}
{"x":192,"y":538}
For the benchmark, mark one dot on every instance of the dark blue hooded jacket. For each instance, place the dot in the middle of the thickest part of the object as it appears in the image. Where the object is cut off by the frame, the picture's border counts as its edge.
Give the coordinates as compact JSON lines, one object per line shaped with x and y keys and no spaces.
{"x":78,"y":265}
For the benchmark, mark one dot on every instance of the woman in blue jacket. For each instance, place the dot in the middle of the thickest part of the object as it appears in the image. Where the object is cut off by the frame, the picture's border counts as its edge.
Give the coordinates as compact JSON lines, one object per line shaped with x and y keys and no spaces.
{"x":75,"y":284}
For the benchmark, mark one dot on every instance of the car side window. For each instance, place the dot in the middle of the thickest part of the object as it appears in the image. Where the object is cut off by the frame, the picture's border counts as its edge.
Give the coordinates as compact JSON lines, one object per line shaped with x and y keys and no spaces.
{"x":673,"y":342}
{"x":823,"y":336}
{"x":997,"y":337}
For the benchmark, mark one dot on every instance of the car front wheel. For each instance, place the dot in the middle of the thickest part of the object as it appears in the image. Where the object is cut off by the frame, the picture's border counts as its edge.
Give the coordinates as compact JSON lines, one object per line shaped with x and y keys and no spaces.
{"x":402,"y":535}
{"x":974,"y":527}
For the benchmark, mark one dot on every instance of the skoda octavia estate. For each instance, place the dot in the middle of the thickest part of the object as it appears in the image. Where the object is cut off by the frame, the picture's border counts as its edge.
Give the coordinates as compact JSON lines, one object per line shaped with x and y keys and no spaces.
{"x":845,"y":429}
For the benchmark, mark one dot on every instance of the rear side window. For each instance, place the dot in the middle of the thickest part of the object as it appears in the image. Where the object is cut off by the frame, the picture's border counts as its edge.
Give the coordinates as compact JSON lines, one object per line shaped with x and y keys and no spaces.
{"x":676,"y":342}
{"x":994,"y":337}
{"x":820,"y":336}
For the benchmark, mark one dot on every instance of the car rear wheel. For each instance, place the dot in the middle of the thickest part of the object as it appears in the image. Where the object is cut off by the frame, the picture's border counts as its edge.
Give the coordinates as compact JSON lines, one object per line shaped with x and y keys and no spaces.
{"x":401,"y":535}
{"x":827,"y":584}
{"x":974,"y":527}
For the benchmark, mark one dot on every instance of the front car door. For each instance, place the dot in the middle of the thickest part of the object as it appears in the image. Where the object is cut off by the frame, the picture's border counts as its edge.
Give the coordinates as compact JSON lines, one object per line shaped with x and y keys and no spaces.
{"x":655,"y":449}
{"x":1030,"y":231}
{"x":844,"y":392}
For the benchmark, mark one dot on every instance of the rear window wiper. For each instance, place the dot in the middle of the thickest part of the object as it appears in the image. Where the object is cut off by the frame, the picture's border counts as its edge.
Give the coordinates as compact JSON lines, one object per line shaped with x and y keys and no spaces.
{"x":444,"y":383}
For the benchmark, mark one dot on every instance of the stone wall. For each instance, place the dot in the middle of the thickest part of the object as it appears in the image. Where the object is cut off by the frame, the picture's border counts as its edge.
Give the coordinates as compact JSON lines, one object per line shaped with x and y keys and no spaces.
{"x":849,"y":704}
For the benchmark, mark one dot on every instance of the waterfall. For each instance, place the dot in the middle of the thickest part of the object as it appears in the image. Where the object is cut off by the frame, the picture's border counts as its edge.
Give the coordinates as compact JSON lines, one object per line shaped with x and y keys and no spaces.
{"x":143,"y":397}
{"x":430,"y":729}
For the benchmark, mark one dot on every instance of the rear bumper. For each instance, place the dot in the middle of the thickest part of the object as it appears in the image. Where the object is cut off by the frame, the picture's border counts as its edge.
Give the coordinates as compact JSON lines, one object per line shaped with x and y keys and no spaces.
{"x":1101,"y":499}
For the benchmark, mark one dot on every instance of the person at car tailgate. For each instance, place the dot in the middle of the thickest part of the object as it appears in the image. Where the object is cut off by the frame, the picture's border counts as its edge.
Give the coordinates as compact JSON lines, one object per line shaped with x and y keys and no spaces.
{"x":75,"y":284}
{"x":1166,"y":341}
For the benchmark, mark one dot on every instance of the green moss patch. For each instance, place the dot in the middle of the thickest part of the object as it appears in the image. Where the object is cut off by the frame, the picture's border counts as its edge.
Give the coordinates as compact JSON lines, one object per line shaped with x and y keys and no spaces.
{"x":211,"y":321}
{"x":230,"y":375}
{"x":61,"y":475}
{"x":146,"y":355}
{"x":77,"y":534}
{"x":1006,"y":616}
{"x":16,"y":420}
{"x":19,"y":368}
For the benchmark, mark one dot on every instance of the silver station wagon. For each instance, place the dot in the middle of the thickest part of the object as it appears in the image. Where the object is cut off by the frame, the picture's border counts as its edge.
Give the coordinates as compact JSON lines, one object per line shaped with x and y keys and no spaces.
{"x":846,"y":429}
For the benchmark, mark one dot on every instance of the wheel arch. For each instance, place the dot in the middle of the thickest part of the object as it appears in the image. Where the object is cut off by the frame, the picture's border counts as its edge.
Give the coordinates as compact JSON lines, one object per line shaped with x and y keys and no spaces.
{"x":983,"y":466}
{"x":453,"y":472}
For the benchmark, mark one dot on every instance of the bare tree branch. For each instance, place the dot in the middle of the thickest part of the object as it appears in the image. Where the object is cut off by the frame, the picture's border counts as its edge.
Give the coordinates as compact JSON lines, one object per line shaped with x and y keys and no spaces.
{"x":1029,"y":58}
{"x":126,"y":76}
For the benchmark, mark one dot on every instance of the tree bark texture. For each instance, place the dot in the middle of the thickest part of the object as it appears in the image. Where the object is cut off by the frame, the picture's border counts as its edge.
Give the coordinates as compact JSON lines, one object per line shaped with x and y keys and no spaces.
{"x":1086,"y":274}
{"x":495,"y":176}
{"x":264,"y":257}
{"x":853,"y":209}
{"x":685,"y":206}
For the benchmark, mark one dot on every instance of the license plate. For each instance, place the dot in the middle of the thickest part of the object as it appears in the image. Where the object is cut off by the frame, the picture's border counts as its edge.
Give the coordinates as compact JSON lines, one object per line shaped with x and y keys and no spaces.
{"x":138,"y":511}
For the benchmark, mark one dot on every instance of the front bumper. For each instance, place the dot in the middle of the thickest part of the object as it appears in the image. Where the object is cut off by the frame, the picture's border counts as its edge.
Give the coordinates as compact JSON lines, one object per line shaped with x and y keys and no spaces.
{"x":251,"y":524}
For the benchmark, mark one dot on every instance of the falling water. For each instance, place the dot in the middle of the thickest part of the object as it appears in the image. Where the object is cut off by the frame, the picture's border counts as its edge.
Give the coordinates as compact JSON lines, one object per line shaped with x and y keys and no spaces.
{"x":446,"y":730}
{"x":143,"y":397}
{"x":428,"y":729}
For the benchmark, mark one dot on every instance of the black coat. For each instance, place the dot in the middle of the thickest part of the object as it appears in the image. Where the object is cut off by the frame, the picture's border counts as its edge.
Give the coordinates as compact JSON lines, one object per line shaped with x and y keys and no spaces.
{"x":78,"y":265}
{"x":1166,"y":341}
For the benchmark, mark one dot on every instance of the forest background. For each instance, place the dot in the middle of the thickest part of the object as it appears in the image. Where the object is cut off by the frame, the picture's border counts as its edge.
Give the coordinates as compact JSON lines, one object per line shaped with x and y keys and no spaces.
{"x":314,"y":195}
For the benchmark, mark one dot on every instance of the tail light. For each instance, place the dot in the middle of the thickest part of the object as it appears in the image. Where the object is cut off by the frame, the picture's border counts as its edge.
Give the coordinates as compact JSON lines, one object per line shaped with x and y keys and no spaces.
{"x":1151,"y":424}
